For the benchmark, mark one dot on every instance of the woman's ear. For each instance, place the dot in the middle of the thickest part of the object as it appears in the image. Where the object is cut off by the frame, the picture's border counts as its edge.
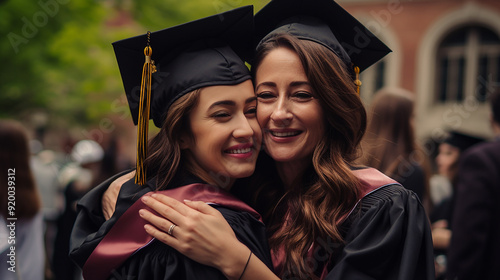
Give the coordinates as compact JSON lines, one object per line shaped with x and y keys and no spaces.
{"x":184,"y":141}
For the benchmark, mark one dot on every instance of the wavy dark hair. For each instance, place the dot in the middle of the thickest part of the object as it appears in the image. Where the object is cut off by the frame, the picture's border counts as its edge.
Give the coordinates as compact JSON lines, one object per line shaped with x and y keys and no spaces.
{"x":165,"y":156}
{"x":330,"y":189}
{"x":15,"y":156}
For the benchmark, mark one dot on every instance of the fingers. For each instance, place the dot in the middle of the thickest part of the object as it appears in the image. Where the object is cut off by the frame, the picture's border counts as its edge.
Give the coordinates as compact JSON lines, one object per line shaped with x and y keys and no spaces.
{"x":201,"y":206}
{"x":110,"y":196}
{"x":162,"y":236}
{"x":159,"y":229}
{"x":163,"y":210}
{"x":172,"y":203}
{"x":159,"y":222}
{"x":117,"y":184}
{"x":108,"y":212}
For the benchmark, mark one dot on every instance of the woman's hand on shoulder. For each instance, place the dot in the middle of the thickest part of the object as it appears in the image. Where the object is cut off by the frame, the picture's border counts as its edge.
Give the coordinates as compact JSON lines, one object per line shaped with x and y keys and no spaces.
{"x":110,"y":196}
{"x":200,"y":232}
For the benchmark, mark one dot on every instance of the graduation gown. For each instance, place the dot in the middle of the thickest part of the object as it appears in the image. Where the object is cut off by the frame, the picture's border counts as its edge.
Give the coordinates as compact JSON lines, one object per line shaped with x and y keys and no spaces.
{"x":156,"y":260}
{"x":387,"y":236}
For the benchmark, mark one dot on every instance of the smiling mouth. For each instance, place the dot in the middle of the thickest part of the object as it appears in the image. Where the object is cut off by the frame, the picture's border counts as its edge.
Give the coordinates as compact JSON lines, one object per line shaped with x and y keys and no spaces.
{"x":285,"y":134}
{"x":239,"y":151}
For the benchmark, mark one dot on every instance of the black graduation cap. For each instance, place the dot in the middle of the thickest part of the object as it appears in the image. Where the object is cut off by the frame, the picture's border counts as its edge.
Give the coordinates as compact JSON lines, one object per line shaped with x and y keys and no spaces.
{"x":200,"y":53}
{"x":324,"y":22}
{"x":462,"y":140}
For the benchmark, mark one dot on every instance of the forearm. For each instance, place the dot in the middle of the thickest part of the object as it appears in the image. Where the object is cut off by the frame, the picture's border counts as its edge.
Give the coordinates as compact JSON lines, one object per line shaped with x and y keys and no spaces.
{"x":240,"y":264}
{"x":256,"y":269}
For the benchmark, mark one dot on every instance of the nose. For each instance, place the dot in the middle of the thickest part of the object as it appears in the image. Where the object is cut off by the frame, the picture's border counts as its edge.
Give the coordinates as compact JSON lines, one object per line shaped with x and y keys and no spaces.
{"x":282,"y":116}
{"x":243,"y":128}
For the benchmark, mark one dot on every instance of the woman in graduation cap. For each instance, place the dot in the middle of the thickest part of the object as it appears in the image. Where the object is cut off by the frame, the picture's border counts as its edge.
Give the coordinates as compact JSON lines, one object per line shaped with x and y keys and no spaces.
{"x":326,"y":217}
{"x":202,"y":98}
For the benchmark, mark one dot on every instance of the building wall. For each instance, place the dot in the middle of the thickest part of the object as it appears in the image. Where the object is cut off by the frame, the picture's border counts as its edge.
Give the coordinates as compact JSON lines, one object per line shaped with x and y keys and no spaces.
{"x":413,"y":30}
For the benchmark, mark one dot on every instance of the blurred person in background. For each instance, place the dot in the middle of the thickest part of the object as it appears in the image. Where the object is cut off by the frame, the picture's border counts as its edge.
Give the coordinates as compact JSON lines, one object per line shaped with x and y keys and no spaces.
{"x":389,"y":144}
{"x":77,"y":178}
{"x":450,"y":151}
{"x":45,"y":165}
{"x":474,"y":251}
{"x":22,"y":251}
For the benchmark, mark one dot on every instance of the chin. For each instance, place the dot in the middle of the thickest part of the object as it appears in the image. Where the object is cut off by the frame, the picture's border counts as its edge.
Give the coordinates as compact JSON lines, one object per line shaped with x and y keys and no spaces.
{"x":242,"y":173}
{"x":283,"y":156}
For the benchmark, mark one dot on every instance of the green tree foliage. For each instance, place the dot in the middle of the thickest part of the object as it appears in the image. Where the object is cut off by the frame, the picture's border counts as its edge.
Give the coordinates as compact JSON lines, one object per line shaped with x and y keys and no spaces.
{"x":57,"y":57}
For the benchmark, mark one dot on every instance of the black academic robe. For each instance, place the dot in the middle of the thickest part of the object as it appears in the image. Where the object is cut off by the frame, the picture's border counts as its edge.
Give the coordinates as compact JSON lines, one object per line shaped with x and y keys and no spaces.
{"x":387,"y":237}
{"x":156,"y":260}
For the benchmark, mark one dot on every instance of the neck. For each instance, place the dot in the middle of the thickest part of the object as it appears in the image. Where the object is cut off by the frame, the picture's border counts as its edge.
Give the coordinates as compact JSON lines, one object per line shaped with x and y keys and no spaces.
{"x":292,"y":173}
{"x":215,"y":179}
{"x":221,"y":181}
{"x":210,"y":177}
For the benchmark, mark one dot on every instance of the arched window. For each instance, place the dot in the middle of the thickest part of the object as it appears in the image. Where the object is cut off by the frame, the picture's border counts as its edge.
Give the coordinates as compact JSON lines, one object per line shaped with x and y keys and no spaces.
{"x":468,"y":64}
{"x":373,"y":79}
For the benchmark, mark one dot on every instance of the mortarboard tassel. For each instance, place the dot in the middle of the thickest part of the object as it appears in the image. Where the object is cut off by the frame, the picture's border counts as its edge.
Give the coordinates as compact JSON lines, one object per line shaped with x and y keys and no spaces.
{"x":357,"y":82}
{"x":143,"y":120}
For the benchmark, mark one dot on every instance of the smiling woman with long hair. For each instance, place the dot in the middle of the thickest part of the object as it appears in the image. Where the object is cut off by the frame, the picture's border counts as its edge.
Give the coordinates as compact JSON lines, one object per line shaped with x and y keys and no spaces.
{"x":206,"y":108}
{"x":326,"y":217}
{"x":329,"y":141}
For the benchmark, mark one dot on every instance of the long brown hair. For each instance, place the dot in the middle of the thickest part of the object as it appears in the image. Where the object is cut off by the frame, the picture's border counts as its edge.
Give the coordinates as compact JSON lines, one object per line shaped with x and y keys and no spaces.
{"x":390,"y":143}
{"x":331,"y":189}
{"x":14,"y":159}
{"x":164,"y":155}
{"x":390,"y":137}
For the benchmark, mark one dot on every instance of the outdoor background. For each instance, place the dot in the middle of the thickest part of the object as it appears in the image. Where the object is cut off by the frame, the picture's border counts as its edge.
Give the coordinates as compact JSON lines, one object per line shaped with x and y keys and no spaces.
{"x":60,"y":79}
{"x":59,"y":76}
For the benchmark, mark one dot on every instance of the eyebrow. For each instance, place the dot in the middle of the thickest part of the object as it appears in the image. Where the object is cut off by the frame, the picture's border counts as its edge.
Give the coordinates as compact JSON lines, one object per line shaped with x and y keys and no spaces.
{"x":300,"y":83}
{"x":292,"y":84}
{"x":269,"y":84}
{"x":231,"y":103}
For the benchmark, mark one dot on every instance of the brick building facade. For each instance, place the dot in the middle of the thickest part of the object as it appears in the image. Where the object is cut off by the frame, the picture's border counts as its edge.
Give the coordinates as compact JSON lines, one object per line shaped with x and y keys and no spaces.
{"x":445,"y":51}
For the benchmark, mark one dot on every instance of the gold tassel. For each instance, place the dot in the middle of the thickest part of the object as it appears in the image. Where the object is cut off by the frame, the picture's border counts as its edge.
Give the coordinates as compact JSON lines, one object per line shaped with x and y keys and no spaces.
{"x":357,"y":82}
{"x":143,"y":120}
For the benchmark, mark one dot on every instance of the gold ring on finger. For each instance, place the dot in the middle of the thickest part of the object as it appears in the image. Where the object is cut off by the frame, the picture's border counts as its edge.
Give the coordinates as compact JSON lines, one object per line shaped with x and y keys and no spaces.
{"x":171,"y":229}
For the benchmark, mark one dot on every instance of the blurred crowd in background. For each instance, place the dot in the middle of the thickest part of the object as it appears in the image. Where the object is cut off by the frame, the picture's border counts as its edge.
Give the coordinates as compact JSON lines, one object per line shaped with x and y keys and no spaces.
{"x":49,"y":182}
{"x":64,"y":121}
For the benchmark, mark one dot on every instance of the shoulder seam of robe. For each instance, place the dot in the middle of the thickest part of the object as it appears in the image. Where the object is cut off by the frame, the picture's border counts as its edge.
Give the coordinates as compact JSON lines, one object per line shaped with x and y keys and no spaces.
{"x":371,"y":181}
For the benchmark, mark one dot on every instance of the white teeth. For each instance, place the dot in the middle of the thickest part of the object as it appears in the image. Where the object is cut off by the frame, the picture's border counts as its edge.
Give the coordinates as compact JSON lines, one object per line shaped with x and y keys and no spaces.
{"x":284,"y":134}
{"x":239,"y":151}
